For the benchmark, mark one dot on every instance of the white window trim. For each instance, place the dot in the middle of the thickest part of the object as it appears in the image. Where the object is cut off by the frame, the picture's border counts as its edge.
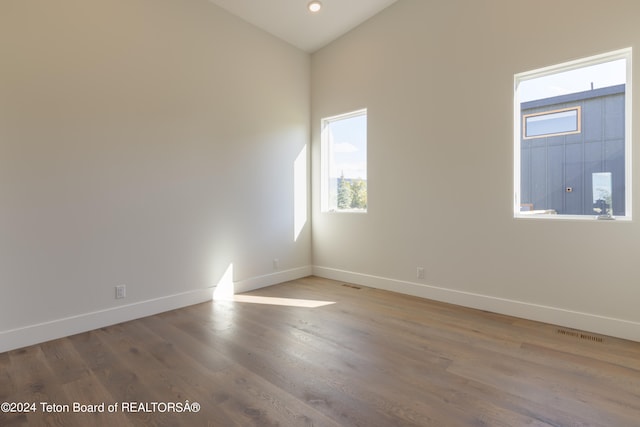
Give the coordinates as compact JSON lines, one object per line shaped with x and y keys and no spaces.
{"x":568,"y":66}
{"x":324,"y":161}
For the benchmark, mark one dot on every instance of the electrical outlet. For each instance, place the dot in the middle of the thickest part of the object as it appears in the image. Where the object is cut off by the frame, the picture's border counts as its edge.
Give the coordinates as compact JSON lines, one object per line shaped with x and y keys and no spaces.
{"x":121,"y":291}
{"x":276,"y":263}
{"x":420,"y":273}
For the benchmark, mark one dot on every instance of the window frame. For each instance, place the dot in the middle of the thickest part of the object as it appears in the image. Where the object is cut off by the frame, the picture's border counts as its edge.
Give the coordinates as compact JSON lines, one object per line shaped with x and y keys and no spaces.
{"x":519,"y":129}
{"x":577,"y":109}
{"x":325,"y":156}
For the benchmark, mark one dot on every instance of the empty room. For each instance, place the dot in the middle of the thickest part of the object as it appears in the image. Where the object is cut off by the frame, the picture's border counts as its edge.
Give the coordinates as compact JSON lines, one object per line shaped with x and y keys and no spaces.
{"x":319,"y":213}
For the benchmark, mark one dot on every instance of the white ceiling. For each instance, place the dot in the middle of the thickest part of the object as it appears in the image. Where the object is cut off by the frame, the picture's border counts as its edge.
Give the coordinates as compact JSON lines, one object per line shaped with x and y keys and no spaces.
{"x":291,"y":21}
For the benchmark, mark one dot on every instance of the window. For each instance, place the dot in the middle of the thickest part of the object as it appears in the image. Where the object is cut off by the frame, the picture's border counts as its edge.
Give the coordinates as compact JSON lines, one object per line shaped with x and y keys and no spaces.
{"x":551,"y":123}
{"x":572,"y":138}
{"x":344,"y":162}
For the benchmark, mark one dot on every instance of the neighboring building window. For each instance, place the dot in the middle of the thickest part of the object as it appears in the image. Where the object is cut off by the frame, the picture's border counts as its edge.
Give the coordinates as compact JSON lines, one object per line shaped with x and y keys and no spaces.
{"x":344,"y":162}
{"x":572,"y":138}
{"x":551,"y":123}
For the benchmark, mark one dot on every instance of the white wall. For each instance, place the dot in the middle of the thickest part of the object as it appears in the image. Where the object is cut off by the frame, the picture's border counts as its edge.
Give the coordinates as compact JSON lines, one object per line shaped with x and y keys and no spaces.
{"x":437,"y":79}
{"x":142,"y":142}
{"x":153,"y":143}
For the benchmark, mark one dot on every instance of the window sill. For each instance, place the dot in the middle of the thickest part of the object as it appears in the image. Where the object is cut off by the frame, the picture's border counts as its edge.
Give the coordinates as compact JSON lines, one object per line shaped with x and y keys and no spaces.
{"x":347,"y":211}
{"x":555,"y":217}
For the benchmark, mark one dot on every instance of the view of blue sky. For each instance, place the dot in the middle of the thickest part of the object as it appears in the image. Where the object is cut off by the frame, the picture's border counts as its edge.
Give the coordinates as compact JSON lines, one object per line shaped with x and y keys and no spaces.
{"x":348,"y":139}
{"x":601,"y":75}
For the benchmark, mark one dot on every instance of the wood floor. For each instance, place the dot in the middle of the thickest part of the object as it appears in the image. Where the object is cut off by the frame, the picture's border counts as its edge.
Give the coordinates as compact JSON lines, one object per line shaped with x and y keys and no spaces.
{"x":372,"y":358}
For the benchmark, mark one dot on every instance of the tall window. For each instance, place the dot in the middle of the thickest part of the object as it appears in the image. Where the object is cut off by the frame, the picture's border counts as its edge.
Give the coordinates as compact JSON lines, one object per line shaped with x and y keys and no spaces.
{"x":344,"y":162}
{"x":572,"y":138}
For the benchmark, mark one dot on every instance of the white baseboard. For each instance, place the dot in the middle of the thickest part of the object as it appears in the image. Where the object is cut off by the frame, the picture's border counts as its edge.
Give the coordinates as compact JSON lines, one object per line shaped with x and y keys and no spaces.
{"x":557,"y":316}
{"x":272,"y":279}
{"x":46,"y":331}
{"x":59,"y":328}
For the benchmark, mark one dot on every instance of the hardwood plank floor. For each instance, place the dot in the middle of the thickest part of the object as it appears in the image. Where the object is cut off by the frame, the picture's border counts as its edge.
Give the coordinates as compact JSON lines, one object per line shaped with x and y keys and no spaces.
{"x":372,"y":358}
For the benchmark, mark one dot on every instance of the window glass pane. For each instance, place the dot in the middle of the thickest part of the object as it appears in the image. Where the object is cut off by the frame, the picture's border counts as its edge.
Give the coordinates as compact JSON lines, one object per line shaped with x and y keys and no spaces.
{"x":345,"y":156}
{"x":602,"y":191}
{"x":571,"y":138}
{"x":551,"y":123}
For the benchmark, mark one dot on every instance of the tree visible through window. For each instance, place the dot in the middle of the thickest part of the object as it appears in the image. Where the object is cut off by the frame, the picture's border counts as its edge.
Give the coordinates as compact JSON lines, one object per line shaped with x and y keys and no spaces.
{"x":344,"y":162}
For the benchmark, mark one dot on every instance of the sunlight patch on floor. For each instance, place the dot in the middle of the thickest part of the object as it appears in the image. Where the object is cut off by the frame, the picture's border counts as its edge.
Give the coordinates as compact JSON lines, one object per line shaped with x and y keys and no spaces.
{"x":289,"y":302}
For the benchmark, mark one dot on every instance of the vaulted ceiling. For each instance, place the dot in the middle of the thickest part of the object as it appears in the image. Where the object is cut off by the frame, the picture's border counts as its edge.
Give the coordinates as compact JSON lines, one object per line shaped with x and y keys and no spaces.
{"x":291,"y":21}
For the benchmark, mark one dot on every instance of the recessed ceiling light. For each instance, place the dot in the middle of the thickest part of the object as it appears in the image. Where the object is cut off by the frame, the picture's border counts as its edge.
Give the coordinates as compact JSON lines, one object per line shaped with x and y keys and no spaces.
{"x":314,"y":6}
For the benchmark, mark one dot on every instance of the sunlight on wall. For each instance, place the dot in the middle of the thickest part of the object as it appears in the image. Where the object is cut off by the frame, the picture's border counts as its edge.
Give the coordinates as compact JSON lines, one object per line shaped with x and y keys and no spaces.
{"x":299,"y":193}
{"x":225,"y":288}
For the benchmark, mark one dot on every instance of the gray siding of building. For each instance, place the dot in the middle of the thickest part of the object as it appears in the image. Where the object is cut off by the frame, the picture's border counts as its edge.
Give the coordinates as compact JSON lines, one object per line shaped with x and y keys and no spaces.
{"x":556,"y":171}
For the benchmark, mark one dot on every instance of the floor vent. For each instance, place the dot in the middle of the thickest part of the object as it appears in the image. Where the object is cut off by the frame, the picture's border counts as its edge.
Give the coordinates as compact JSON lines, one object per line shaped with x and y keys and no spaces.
{"x":346,"y":285}
{"x":580,"y":335}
